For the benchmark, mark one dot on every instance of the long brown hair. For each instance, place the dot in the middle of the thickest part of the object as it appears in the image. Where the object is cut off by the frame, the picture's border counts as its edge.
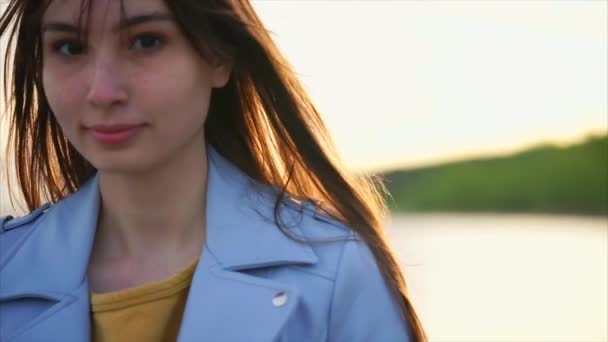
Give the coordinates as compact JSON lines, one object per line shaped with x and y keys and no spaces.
{"x":262,"y":120}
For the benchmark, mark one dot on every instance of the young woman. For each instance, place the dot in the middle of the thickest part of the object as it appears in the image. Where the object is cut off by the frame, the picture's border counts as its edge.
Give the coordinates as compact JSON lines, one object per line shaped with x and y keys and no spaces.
{"x":195,"y":194}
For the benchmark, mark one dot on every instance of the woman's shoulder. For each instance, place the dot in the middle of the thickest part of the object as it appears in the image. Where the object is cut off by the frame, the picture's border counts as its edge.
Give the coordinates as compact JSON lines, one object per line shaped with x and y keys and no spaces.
{"x":13,"y":226}
{"x":14,"y":229}
{"x":316,"y":222}
{"x":338,"y":247}
{"x":8,"y":223}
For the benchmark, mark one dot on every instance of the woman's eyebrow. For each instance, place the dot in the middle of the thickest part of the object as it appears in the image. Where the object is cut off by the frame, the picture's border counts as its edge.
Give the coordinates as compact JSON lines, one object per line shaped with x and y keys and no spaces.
{"x":142,"y":19}
{"x":122,"y":25}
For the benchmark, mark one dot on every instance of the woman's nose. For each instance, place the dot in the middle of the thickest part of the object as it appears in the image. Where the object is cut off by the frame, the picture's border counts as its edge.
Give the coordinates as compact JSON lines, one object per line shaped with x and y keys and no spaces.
{"x":106,"y":87}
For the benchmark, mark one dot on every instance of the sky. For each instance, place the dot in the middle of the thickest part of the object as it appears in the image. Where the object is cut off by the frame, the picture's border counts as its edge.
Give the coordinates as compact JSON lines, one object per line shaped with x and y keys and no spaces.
{"x":412,"y":83}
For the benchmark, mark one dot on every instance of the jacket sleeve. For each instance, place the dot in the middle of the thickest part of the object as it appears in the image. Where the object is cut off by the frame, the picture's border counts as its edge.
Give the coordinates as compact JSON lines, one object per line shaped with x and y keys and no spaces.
{"x":362,"y":307}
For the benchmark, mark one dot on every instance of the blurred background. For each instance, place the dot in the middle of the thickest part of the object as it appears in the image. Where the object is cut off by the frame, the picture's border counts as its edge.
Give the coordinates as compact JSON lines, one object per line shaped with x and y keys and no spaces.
{"x":488,"y":120}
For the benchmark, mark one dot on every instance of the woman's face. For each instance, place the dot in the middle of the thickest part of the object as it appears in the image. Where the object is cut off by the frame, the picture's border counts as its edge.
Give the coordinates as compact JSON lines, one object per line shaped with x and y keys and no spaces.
{"x":133,"y":93}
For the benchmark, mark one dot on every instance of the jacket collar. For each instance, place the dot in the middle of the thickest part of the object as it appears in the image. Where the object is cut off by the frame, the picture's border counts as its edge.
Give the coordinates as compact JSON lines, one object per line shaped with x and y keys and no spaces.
{"x":241,"y":230}
{"x":241,"y":234}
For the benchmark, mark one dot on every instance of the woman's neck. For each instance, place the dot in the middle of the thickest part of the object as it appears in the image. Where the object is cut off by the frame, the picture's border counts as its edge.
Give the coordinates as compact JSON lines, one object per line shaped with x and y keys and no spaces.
{"x":161,"y":211}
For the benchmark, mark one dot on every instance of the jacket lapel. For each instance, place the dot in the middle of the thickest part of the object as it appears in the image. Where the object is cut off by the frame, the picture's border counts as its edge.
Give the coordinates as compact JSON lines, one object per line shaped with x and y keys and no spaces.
{"x":66,"y":320}
{"x":225,"y":303}
{"x":231,"y":306}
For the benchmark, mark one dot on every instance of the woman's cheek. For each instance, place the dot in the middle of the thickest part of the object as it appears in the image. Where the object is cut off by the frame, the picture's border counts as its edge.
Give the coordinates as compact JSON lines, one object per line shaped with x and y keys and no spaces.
{"x":63,"y":102}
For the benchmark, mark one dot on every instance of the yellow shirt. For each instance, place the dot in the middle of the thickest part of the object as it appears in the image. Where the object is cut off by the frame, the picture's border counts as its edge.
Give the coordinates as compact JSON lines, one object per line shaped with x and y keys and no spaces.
{"x":151,"y":312}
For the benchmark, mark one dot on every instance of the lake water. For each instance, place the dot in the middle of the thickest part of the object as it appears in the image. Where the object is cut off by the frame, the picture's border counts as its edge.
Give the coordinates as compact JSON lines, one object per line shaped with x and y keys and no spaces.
{"x":506,"y":277}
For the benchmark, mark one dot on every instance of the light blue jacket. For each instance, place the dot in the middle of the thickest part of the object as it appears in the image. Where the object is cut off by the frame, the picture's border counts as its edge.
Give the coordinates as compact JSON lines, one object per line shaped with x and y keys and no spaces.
{"x":253,"y":283}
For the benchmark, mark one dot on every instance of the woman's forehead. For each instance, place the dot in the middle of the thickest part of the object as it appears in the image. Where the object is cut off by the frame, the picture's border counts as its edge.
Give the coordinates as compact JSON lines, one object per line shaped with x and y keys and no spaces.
{"x":101,"y":11}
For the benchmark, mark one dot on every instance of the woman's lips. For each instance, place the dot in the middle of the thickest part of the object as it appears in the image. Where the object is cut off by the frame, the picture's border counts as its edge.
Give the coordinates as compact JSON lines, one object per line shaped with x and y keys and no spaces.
{"x":114,"y":134}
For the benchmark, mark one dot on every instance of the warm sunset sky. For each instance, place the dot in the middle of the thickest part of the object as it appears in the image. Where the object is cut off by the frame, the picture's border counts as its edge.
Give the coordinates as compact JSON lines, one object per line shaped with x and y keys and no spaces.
{"x":405,"y":83}
{"x":412,"y":82}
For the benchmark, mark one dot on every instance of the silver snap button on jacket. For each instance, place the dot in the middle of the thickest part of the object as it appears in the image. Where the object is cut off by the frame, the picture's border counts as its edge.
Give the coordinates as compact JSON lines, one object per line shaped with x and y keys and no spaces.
{"x":279,"y":299}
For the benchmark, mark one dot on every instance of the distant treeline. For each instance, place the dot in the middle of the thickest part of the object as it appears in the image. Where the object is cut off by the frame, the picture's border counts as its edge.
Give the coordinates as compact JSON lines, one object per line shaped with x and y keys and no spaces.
{"x":546,"y":179}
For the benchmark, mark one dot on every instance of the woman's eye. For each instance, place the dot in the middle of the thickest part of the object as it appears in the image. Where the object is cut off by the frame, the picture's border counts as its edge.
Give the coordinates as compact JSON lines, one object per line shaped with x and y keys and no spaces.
{"x":146,"y":41}
{"x":68,"y":48}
